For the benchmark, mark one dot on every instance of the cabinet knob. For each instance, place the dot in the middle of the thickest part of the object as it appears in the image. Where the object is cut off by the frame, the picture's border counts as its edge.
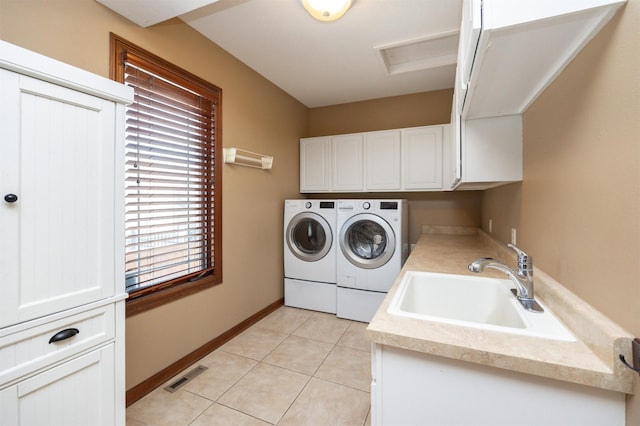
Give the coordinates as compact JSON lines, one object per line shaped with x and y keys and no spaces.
{"x":11,"y":198}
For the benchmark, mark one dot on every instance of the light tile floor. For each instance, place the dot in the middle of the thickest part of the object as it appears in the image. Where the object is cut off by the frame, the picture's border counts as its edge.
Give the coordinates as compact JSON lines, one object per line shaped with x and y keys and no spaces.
{"x":294,"y":367}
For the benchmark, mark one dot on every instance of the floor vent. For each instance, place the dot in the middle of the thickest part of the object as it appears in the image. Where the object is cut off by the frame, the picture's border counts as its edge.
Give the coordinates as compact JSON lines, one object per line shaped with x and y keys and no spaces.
{"x":184,"y":379}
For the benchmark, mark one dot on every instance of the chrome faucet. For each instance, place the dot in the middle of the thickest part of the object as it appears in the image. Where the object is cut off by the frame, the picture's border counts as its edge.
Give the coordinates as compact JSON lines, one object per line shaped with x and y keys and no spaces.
{"x":523,"y":278}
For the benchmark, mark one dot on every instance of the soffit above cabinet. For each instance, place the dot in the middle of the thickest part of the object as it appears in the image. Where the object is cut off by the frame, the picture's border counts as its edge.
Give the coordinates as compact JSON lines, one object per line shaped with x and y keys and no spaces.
{"x":149,"y":12}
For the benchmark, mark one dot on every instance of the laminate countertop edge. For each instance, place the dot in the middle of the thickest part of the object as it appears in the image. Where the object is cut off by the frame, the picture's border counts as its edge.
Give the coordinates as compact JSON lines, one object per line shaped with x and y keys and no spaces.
{"x":592,"y":360}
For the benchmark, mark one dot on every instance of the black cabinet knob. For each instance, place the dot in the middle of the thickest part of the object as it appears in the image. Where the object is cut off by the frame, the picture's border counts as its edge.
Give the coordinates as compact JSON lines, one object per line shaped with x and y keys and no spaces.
{"x":11,"y":198}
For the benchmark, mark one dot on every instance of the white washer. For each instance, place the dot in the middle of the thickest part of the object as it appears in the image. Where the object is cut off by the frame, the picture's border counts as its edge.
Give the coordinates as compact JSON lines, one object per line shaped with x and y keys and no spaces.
{"x":373,"y":240}
{"x":310,"y":254}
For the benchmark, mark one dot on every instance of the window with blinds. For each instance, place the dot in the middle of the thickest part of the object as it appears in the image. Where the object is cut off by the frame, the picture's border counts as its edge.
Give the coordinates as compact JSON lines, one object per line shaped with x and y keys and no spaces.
{"x":171,"y":160}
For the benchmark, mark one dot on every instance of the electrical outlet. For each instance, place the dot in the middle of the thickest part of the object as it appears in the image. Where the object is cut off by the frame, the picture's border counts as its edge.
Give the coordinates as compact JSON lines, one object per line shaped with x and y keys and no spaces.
{"x":490,"y":225}
{"x":513,"y":236}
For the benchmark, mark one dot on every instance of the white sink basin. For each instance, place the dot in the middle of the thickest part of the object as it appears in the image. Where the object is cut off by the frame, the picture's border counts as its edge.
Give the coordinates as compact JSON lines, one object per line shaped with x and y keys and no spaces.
{"x":480,"y":302}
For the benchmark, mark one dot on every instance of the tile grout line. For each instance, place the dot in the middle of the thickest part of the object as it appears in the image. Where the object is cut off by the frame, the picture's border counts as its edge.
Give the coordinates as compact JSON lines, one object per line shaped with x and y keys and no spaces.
{"x":288,"y":334}
{"x":313,"y":376}
{"x":294,"y":400}
{"x":261,"y":361}
{"x":308,"y":377}
{"x":314,"y":372}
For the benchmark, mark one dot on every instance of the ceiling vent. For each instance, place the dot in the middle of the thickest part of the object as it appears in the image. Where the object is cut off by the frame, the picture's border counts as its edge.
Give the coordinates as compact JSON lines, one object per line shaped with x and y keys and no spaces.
{"x":420,"y":54}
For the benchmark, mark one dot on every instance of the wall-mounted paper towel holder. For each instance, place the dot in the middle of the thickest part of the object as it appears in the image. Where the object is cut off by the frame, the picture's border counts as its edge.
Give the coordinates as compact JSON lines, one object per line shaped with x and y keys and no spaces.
{"x":242,"y":157}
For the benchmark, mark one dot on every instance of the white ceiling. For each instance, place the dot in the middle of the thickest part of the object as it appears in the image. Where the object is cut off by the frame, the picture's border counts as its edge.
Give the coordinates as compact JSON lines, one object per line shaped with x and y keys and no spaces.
{"x":328,"y":63}
{"x":150,"y":12}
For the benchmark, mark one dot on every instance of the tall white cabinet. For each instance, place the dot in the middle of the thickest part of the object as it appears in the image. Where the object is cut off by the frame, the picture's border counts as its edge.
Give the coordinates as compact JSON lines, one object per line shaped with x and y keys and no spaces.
{"x":62,"y":243}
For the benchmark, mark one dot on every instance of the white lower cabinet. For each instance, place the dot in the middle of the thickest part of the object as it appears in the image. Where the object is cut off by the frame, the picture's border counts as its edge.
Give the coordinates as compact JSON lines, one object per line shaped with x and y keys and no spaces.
{"x":25,"y":348}
{"x":414,"y":388}
{"x":65,"y":369}
{"x":79,"y":392}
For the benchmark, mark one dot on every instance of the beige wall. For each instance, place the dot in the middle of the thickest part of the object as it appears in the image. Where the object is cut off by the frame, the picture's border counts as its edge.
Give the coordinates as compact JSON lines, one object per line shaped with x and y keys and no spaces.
{"x":578,"y":209}
{"x":422,"y":109}
{"x":77,"y":32}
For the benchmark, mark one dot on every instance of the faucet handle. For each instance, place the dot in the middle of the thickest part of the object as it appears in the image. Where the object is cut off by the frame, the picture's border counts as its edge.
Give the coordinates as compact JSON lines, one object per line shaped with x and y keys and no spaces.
{"x":524,"y":260}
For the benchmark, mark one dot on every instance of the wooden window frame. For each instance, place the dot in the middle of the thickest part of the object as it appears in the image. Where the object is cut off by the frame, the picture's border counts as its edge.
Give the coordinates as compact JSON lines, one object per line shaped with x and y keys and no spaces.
{"x":160,"y":294}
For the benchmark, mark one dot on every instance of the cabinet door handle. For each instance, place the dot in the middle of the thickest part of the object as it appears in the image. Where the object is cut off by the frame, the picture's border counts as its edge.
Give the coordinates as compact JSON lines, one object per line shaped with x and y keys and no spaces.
{"x":64,"y":334}
{"x":11,"y":198}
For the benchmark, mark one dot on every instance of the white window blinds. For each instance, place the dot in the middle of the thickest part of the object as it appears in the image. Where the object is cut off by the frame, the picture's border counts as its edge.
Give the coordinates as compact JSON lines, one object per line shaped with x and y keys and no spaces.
{"x":170,"y":132}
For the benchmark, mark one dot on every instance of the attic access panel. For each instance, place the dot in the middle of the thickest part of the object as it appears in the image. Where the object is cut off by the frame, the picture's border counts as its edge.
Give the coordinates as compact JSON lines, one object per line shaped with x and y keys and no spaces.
{"x":420,"y":54}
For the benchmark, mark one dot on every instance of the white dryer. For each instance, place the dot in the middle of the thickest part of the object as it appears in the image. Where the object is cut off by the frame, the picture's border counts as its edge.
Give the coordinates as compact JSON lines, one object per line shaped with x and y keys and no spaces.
{"x":373,"y":240}
{"x":310,"y":254}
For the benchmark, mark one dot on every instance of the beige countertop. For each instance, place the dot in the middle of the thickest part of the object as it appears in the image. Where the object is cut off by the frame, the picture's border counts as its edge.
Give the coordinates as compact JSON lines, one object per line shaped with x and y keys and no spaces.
{"x":592,"y":360}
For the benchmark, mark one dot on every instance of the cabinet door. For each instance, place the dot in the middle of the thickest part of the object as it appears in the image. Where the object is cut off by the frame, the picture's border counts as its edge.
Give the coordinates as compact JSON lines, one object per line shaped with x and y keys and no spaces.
{"x":315,"y":164}
{"x":492,"y":149}
{"x":382,"y":161}
{"x":57,"y":155}
{"x":422,"y":158}
{"x":455,"y":146}
{"x":469,"y":37}
{"x":78,"y":392}
{"x":347,"y":163}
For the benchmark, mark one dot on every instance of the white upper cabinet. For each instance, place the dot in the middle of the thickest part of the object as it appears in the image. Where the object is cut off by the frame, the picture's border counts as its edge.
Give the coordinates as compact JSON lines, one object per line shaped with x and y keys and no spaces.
{"x":347,"y":163}
{"x":485,"y":152}
{"x":422,"y":158}
{"x":382,"y":161}
{"x":315,"y":164}
{"x":469,"y":35}
{"x":510,"y":51}
{"x":488,"y":154}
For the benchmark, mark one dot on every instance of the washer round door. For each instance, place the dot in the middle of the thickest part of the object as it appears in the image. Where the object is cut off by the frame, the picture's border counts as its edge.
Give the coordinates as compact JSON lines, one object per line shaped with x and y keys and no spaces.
{"x":309,"y":236}
{"x":367,"y":241}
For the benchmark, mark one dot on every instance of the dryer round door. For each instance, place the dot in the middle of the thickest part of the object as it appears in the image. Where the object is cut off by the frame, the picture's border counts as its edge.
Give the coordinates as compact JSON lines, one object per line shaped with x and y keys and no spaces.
{"x":367,"y":241}
{"x":309,"y":236}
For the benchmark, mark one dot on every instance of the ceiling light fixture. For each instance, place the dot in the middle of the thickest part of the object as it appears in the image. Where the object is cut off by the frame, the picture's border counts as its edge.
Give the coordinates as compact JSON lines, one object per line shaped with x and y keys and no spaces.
{"x":326,"y":10}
